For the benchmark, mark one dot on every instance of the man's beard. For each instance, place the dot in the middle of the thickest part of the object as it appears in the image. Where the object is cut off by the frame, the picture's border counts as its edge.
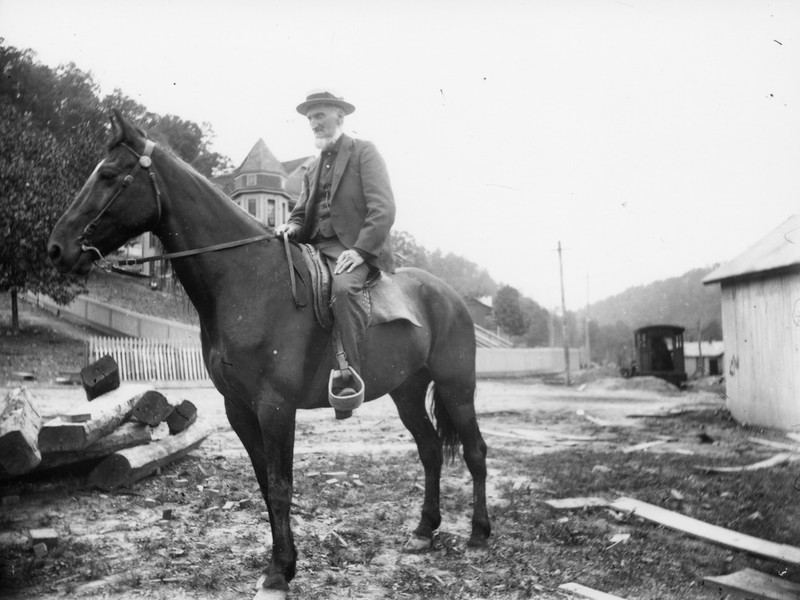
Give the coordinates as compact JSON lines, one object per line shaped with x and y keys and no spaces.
{"x":323,"y":143}
{"x":327,"y":141}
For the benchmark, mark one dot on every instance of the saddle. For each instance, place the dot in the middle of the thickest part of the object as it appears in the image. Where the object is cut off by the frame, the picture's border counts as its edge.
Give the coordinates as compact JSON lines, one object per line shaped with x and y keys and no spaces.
{"x":382,"y":298}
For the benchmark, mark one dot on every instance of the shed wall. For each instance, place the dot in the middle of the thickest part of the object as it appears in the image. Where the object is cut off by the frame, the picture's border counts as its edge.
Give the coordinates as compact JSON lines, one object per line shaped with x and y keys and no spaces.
{"x":762,"y":368}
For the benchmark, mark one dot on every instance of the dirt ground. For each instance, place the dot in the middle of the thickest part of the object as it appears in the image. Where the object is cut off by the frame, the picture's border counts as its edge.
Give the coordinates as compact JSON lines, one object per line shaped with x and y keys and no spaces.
{"x":358,"y":492}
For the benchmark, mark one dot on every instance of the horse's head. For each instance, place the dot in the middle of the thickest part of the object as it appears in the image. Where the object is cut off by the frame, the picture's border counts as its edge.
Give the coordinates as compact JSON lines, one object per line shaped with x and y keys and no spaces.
{"x":119,"y":201}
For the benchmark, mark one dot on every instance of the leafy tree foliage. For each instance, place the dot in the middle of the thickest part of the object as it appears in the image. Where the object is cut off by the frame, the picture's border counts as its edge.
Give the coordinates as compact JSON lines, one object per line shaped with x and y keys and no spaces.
{"x":463,"y":275}
{"x":508,"y":311}
{"x":53,"y":128}
{"x":36,"y":177}
{"x":537,"y":323}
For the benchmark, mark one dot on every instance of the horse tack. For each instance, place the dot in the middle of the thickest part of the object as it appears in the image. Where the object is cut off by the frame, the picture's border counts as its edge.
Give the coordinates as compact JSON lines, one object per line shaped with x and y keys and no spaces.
{"x":145,"y":161}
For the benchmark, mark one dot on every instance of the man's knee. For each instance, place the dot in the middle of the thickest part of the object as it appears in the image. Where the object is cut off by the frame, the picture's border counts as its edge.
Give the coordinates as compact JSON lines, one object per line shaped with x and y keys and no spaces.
{"x":349,"y":283}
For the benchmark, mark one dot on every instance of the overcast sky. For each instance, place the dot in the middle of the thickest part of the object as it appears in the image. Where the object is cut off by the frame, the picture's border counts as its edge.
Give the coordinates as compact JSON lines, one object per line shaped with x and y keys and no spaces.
{"x":648,"y":137}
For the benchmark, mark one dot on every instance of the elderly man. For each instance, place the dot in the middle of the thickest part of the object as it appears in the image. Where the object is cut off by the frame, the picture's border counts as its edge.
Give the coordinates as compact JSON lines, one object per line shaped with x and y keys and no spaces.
{"x":346,"y":209}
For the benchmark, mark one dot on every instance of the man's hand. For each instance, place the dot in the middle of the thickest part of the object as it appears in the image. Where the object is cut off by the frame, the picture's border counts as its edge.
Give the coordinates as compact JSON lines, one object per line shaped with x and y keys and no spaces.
{"x":289,"y":229}
{"x":347,"y":261}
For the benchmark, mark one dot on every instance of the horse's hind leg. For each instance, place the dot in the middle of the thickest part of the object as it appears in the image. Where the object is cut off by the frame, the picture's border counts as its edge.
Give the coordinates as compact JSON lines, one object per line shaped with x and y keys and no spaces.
{"x":454,"y":401}
{"x":410,"y":401}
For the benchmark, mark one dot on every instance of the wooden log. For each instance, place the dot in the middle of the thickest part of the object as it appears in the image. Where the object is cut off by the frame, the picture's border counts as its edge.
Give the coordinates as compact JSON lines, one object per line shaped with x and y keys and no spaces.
{"x":126,"y":435}
{"x":182,"y":417}
{"x":714,"y":533}
{"x":132,"y":464}
{"x":108,"y":412}
{"x":20,"y":423}
{"x":100,"y":377}
{"x":749,"y":583}
{"x":152,"y":408}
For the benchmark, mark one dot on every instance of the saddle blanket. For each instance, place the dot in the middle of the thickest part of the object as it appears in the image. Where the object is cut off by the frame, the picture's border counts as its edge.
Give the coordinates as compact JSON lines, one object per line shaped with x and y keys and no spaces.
{"x":384,"y":300}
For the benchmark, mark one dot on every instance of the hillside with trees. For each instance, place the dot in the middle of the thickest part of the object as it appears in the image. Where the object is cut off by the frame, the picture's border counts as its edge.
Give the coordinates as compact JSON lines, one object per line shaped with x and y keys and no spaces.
{"x":53,"y":125}
{"x":682,"y":301}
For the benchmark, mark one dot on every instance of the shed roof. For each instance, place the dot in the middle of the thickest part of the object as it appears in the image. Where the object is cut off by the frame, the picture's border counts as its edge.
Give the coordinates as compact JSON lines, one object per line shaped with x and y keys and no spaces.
{"x":710,"y":349}
{"x":778,"y":250}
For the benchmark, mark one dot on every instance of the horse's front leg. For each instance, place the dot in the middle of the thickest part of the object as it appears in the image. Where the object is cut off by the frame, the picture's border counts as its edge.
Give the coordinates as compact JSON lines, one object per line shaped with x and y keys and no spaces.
{"x":268,"y":437}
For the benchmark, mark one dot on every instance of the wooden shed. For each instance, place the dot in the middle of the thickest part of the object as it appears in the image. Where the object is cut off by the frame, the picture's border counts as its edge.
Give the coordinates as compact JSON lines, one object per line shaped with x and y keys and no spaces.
{"x":703,"y":358}
{"x":659,"y":352}
{"x":761,"y":329}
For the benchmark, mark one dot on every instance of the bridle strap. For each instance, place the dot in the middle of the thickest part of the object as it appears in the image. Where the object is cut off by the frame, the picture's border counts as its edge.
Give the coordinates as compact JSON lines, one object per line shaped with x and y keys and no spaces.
{"x":145,"y":162}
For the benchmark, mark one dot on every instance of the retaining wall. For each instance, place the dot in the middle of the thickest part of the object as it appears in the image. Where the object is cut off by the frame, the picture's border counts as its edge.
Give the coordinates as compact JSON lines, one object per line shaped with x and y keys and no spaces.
{"x":114,"y":321}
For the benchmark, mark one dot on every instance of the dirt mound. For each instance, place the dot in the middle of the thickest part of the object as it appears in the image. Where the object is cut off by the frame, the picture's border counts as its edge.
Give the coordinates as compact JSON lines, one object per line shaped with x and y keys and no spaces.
{"x":644,"y":383}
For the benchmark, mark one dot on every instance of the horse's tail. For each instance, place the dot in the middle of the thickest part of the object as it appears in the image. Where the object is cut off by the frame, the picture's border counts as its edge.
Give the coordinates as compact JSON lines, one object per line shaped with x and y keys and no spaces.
{"x":445,"y":428}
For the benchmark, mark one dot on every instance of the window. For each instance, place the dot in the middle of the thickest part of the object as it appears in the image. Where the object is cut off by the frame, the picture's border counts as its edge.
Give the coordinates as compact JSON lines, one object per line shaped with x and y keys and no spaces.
{"x":251,"y":206}
{"x":252,"y":180}
{"x":271,"y":213}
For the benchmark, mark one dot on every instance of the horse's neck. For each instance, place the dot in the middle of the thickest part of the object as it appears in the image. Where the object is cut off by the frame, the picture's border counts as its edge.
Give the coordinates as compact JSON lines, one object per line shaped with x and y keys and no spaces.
{"x":194,"y":216}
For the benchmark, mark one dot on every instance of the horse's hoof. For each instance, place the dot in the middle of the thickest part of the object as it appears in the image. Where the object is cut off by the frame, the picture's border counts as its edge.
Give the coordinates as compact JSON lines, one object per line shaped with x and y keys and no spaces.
{"x":263,"y":593}
{"x":418,"y":544}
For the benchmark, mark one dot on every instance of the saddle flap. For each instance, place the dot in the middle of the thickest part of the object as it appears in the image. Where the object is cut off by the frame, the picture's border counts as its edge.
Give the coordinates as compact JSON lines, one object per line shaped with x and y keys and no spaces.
{"x":385,"y":301}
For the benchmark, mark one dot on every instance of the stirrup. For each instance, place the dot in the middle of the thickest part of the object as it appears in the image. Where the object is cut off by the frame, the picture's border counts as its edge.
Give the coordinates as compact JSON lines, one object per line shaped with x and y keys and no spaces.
{"x":345,"y":391}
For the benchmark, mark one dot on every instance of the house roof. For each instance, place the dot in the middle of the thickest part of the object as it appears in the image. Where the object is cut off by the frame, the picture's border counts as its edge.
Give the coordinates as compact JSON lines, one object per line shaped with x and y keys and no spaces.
{"x":712,"y":349}
{"x":778,"y":250}
{"x":261,"y":160}
{"x":294,"y":182}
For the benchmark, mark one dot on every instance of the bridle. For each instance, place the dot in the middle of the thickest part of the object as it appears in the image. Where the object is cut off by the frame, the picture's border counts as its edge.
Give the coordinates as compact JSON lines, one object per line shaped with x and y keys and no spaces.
{"x":145,"y":162}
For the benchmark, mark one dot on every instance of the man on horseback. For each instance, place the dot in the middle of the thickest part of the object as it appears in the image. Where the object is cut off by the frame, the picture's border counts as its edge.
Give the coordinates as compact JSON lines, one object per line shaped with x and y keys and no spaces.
{"x":346,"y":209}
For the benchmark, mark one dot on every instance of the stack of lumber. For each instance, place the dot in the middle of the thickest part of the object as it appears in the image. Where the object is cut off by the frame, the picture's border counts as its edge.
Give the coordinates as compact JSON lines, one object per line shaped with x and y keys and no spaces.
{"x":118,"y":429}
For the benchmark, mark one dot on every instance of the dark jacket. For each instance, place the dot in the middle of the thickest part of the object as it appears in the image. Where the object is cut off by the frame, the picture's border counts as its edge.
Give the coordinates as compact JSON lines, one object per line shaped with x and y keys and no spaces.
{"x":362,"y":203}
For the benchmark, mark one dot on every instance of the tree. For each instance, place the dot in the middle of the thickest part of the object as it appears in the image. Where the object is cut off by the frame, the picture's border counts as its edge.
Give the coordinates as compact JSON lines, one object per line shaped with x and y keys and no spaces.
{"x":508,"y":312}
{"x":37,"y":180}
{"x":537,"y":323}
{"x":463,"y":275}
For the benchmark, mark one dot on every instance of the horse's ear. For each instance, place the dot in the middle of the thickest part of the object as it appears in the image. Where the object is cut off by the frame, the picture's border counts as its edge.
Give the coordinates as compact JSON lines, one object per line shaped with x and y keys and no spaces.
{"x":117,"y":133}
{"x":123,"y":131}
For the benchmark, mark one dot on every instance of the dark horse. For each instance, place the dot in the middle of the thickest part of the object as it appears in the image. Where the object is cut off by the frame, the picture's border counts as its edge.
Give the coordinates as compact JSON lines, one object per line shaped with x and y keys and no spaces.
{"x":265,"y":355}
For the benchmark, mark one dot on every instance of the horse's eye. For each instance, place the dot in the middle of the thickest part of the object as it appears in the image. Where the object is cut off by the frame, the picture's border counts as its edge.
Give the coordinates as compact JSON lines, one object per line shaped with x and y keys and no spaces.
{"x":107,"y":174}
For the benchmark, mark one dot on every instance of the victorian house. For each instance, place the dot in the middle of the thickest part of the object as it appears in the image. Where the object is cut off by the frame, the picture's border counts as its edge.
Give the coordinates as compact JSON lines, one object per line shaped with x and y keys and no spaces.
{"x":265,"y":187}
{"x":262,"y":185}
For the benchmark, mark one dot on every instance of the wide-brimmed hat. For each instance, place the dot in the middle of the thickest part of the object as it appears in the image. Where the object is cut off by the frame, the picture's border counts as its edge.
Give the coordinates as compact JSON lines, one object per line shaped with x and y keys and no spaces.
{"x":324,"y":97}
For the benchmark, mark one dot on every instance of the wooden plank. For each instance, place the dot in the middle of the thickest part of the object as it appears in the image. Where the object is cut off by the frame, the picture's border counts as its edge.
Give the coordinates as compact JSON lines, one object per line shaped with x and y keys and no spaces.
{"x":643,"y":446}
{"x":756,"y":585}
{"x":774,"y":444}
{"x":108,"y":412}
{"x":778,"y":459}
{"x":573,"y":503}
{"x":20,"y":423}
{"x":714,"y":533}
{"x":132,"y":464}
{"x":586,"y":592}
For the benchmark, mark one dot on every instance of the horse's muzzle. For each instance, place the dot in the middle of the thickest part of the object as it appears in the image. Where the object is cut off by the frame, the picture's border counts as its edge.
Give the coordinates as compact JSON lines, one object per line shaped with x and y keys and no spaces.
{"x":79,"y":262}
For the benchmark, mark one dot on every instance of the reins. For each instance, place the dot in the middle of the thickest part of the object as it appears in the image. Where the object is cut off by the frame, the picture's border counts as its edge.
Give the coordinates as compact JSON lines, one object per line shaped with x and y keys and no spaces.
{"x":145,"y":162}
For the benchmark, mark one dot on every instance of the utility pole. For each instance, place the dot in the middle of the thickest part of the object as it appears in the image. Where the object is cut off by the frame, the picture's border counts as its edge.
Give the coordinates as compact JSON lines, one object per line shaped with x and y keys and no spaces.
{"x":564,"y":331}
{"x":588,"y":341}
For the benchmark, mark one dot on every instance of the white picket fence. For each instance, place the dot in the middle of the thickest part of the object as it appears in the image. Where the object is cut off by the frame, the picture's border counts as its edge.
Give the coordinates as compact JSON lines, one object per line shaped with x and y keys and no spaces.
{"x":144,"y":359}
